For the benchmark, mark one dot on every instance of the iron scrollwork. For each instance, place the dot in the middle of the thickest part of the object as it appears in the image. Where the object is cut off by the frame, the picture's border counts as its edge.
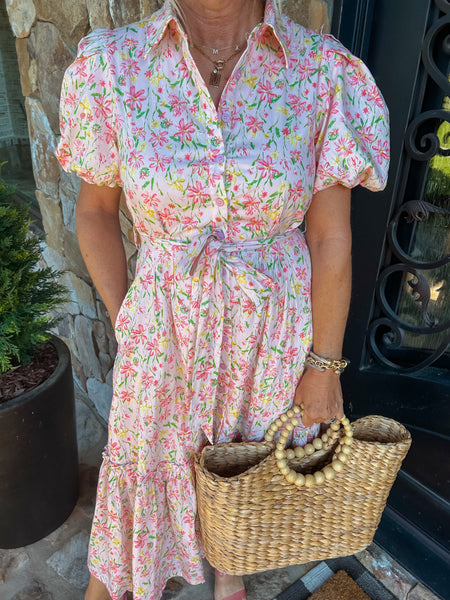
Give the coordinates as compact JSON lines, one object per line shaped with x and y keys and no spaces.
{"x":387,"y":332}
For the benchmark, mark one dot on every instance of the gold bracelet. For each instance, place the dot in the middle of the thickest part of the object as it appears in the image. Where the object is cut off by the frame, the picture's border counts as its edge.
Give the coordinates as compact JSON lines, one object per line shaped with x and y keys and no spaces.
{"x":324,"y":364}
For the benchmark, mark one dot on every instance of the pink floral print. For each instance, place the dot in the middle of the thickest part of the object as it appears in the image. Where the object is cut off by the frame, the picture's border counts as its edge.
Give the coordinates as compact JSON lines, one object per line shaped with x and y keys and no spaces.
{"x":215,"y":328}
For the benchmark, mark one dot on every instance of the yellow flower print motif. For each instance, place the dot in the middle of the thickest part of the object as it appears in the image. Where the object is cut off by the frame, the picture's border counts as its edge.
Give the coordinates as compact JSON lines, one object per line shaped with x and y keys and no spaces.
{"x":85,"y":106}
{"x":297,"y":287}
{"x":250,"y":81}
{"x":178,"y":184}
{"x":283,"y":110}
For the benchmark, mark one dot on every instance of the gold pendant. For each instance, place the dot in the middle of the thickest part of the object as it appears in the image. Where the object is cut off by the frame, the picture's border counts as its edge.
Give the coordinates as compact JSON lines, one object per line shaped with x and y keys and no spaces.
{"x":215,"y":78}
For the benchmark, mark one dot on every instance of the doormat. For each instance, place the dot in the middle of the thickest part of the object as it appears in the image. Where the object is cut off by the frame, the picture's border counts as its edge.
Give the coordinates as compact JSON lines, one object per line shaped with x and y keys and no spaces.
{"x":324,"y":571}
{"x":340,"y":587}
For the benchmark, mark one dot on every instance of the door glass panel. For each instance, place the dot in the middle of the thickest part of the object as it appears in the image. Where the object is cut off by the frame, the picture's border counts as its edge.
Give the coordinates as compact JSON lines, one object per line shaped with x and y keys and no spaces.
{"x":425,"y":300}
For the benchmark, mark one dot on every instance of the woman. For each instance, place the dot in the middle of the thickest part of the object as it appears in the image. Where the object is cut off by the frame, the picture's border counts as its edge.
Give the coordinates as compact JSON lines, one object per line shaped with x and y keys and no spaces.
{"x":223,"y":139}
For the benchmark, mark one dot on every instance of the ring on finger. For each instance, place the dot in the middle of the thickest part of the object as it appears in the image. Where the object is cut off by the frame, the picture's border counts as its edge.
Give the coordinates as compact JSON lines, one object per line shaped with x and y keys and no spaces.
{"x":333,"y":420}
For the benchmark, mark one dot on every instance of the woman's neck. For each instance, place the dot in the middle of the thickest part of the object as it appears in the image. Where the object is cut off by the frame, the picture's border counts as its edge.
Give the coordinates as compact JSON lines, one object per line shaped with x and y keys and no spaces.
{"x":216,"y":23}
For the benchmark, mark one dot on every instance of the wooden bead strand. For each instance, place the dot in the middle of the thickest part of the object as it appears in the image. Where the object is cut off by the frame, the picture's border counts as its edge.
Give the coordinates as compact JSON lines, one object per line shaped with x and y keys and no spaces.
{"x":287,"y":422}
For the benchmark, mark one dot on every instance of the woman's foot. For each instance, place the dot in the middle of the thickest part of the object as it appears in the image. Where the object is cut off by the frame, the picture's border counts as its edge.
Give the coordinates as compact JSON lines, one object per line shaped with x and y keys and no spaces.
{"x":229,"y":587}
{"x":96,"y":590}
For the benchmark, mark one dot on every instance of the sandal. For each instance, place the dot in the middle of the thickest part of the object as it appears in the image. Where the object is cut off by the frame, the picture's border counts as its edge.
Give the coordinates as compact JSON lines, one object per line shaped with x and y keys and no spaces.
{"x":239,"y":595}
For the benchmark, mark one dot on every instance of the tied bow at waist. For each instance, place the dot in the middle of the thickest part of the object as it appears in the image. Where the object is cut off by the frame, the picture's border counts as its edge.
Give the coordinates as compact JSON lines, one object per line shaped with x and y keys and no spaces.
{"x":204,"y":261}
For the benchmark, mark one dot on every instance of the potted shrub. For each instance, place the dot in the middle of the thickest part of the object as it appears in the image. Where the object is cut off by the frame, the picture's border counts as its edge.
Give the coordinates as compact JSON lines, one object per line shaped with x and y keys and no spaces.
{"x":38,"y":448}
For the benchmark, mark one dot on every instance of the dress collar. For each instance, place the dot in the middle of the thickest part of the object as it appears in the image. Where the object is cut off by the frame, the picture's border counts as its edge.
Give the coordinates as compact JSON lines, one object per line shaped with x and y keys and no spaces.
{"x":166,"y":18}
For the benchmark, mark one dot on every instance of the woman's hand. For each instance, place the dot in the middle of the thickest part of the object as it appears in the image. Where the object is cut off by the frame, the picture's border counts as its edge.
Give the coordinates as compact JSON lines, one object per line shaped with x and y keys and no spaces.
{"x":320,"y":393}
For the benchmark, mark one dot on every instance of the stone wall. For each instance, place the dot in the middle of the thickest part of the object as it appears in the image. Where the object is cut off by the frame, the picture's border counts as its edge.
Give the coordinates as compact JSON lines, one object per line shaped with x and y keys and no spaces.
{"x":47,"y":33}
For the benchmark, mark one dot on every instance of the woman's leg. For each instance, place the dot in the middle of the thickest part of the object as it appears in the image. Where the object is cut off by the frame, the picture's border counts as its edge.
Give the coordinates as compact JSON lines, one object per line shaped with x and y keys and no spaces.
{"x":96,"y":590}
{"x":229,"y":587}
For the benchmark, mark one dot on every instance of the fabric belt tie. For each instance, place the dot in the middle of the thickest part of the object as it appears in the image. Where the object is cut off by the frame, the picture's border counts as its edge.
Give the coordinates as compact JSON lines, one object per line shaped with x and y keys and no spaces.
{"x":203,"y":260}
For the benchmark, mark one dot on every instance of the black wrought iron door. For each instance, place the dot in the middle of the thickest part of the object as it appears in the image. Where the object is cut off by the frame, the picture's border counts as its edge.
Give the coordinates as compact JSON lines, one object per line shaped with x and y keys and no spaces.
{"x":399,"y":327}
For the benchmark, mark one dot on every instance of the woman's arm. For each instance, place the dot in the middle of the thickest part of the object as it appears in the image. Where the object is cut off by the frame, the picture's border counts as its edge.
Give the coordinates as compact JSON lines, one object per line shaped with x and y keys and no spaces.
{"x":329,"y":240}
{"x":100,"y":240}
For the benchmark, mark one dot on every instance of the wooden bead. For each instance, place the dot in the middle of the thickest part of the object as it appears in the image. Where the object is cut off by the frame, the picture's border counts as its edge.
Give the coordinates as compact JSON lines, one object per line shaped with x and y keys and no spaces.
{"x":282,"y":463}
{"x":324,"y":438}
{"x":280,"y":454}
{"x":346,"y":450}
{"x":335,"y":426}
{"x":289,"y":426}
{"x":343,"y":458}
{"x":345,"y":421}
{"x":317,"y":443}
{"x":285,"y":470}
{"x":337,"y":465}
{"x":299,"y":452}
{"x":348,"y":427}
{"x":284,"y":418}
{"x":309,"y":449}
{"x":290,"y":413}
{"x":296,"y":409}
{"x":279,"y":422}
{"x":295,"y":421}
{"x":273,"y":427}
{"x":290,"y":454}
{"x":349,"y":434}
{"x":329,"y":473}
{"x":269,"y":437}
{"x":291,"y":476}
{"x":348,"y":441}
{"x":310,"y":481}
{"x":280,"y":447}
{"x":319,"y":477}
{"x":300,"y":480}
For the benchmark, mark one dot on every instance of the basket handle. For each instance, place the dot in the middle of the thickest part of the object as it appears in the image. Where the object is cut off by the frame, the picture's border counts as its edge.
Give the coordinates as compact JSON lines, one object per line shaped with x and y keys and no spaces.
{"x":287,"y":421}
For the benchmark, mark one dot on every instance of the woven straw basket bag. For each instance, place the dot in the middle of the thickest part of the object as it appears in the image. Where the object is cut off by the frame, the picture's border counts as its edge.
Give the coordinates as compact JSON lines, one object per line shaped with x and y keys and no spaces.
{"x":264,"y":507}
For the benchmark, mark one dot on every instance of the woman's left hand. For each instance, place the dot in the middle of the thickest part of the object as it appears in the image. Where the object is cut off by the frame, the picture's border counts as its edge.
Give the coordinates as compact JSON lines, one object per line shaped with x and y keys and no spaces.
{"x":320,"y":393}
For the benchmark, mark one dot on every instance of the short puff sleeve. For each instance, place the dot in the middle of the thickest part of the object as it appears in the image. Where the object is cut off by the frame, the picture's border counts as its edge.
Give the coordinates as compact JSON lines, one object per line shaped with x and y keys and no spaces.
{"x":88,"y":144}
{"x":352,"y":123}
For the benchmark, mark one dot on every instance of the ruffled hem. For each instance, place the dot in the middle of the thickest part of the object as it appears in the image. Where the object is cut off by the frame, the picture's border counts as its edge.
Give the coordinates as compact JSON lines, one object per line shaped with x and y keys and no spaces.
{"x":144,"y":530}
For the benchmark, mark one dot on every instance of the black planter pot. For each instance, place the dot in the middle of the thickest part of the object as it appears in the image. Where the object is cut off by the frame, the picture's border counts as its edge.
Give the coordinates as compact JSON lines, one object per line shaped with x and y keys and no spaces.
{"x":38,"y":458}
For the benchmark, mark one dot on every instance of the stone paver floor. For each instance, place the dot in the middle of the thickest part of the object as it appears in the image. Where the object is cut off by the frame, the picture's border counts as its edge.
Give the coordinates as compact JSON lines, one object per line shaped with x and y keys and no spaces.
{"x":55,"y":568}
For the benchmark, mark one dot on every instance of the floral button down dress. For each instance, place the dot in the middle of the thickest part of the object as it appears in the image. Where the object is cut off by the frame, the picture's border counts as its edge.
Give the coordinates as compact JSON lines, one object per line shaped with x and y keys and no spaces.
{"x":215,"y":328}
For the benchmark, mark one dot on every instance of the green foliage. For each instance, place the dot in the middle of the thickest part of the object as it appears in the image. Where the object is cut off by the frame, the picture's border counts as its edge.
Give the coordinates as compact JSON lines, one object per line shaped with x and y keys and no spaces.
{"x":28,"y":292}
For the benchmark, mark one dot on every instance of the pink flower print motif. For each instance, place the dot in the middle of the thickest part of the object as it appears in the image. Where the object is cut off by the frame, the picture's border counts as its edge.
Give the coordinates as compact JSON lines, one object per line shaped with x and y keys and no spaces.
{"x":254,"y":124}
{"x":297,"y":104}
{"x":344,"y":146}
{"x":122,"y":322}
{"x":382,"y":151}
{"x":127,"y":369}
{"x":129,"y":67}
{"x":178,"y":106}
{"x":366,"y":134}
{"x":273,"y":68}
{"x":373,"y":95}
{"x":185,"y":131}
{"x":198,"y":193}
{"x":135,"y":98}
{"x":159,"y":162}
{"x":138,"y":334}
{"x":267,"y":168}
{"x":158,"y":138}
{"x":306,"y":69}
{"x":266,"y":92}
{"x":136,"y":159}
{"x":357,"y":78}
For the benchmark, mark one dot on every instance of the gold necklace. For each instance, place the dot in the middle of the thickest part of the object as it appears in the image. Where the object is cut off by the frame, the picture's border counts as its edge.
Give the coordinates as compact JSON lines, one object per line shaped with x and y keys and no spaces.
{"x":217,"y":50}
{"x":214,"y":78}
